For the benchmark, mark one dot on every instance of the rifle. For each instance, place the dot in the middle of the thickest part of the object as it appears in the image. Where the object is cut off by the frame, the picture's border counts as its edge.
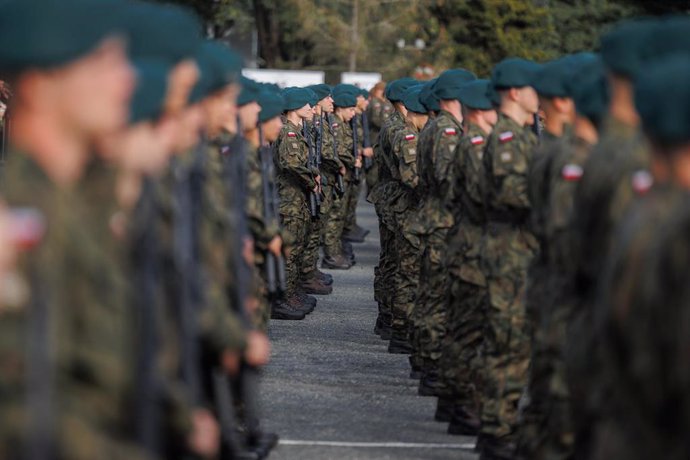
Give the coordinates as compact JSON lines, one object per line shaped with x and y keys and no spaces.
{"x":319,"y":145}
{"x":275,"y":265}
{"x":355,"y":146}
{"x":367,"y":140}
{"x":536,"y":127}
{"x":314,"y":197}
{"x":340,"y":184}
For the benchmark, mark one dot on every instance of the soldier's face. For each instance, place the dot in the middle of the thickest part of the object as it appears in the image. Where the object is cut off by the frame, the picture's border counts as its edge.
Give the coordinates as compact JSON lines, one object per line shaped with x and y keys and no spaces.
{"x":271,"y":128}
{"x":348,"y":113}
{"x":362,"y":103}
{"x":189,"y":124}
{"x":305,"y":112}
{"x":490,"y":116}
{"x":528,"y":99}
{"x":93,"y":93}
{"x":181,"y":80}
{"x":326,"y":104}
{"x":249,"y":115}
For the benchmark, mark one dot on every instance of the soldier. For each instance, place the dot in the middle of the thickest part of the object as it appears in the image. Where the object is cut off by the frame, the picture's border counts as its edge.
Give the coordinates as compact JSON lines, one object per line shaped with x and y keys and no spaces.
{"x":296,"y":181}
{"x":378,"y":112}
{"x":461,"y":361}
{"x":405,"y":206}
{"x":507,"y":250}
{"x":384,"y":274}
{"x":436,"y":151}
{"x":641,"y":312}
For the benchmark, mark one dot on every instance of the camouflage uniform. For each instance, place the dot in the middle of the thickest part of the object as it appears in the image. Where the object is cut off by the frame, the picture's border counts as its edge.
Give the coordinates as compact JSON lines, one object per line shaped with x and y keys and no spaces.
{"x":437,"y":152}
{"x":378,"y":113}
{"x":295,"y":181}
{"x":405,"y":207}
{"x":461,"y":362}
{"x":355,"y":188}
{"x":330,"y":167}
{"x":616,"y":165}
{"x":507,"y":250}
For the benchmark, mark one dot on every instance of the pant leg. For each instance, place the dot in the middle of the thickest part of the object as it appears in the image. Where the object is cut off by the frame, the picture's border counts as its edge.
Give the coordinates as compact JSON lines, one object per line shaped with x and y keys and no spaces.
{"x":296,"y":225}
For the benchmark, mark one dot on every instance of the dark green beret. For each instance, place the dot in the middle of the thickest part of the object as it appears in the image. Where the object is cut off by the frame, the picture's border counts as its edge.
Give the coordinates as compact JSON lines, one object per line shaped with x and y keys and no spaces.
{"x":669,"y":35}
{"x":624,"y":48}
{"x":412,"y":99}
{"x":514,"y":73}
{"x":227,"y":64}
{"x":208,"y":78}
{"x":322,"y":90}
{"x":450,"y":81}
{"x":169,"y":32}
{"x":313,"y":97}
{"x":590,"y":90}
{"x":250,"y":91}
{"x":662,"y":98}
{"x":429,"y":99}
{"x":474,"y":95}
{"x":296,"y":98}
{"x":364,"y":93}
{"x":396,"y":89}
{"x":552,"y":79}
{"x":51,"y":33}
{"x":149,"y":95}
{"x":271,"y":87}
{"x":272,"y":104}
{"x":344,"y":97}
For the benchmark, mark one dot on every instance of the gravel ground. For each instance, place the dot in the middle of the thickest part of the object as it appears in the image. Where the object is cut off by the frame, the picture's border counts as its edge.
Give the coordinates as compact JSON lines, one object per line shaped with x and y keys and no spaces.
{"x":333,"y":392}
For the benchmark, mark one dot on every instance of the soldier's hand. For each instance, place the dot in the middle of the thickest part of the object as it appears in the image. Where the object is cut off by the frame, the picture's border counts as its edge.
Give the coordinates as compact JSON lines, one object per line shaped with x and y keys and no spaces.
{"x":204,"y":440}
{"x":342,"y":171}
{"x":276,"y":245}
{"x":358,"y":162}
{"x":248,"y":251}
{"x":368,"y":152}
{"x":230,"y":361}
{"x":258,"y":350}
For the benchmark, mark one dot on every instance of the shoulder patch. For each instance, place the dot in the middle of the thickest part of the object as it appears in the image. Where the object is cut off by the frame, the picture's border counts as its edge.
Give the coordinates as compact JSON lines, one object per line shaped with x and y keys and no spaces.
{"x":334,"y":125}
{"x":477,"y":140}
{"x":450,"y":132}
{"x":572,"y":172}
{"x":506,"y":136}
{"x":291,"y":134}
{"x":409,"y":137}
{"x":642,"y":181}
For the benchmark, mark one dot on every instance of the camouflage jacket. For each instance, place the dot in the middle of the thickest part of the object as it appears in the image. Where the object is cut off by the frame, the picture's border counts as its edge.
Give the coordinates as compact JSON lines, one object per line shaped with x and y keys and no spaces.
{"x":378,"y":113}
{"x":295,"y":178}
{"x":342,"y":133}
{"x":404,"y":148}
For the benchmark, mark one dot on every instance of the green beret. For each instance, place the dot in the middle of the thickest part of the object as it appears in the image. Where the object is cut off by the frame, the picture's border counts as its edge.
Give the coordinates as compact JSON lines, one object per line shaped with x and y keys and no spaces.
{"x":552,"y":79}
{"x":169,"y":32}
{"x":322,"y":91}
{"x":52,"y":33}
{"x":149,"y":95}
{"x":207,"y":83}
{"x":313,"y":97}
{"x":296,"y":98}
{"x":227,"y":64}
{"x":344,"y":97}
{"x":590,"y":91}
{"x":272,"y":104}
{"x":662,"y":98}
{"x":450,"y":81}
{"x":669,"y":35}
{"x":474,"y":95}
{"x":514,"y":73}
{"x":412,"y":99}
{"x":429,"y":99}
{"x":623,"y":49}
{"x":364,"y":93}
{"x":250,"y":91}
{"x":396,"y":89}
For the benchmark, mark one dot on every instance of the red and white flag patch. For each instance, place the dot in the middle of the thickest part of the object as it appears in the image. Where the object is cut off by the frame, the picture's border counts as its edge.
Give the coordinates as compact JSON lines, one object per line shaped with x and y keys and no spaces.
{"x":572,"y":173}
{"x":334,"y":125}
{"x":506,"y":136}
{"x":642,"y":182}
{"x":477,"y":140}
{"x":291,"y":134}
{"x":409,"y":137}
{"x":450,"y":131}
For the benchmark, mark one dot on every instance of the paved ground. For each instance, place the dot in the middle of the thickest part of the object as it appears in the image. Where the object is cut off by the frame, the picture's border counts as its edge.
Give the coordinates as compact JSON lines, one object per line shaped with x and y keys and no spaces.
{"x":332,"y":391}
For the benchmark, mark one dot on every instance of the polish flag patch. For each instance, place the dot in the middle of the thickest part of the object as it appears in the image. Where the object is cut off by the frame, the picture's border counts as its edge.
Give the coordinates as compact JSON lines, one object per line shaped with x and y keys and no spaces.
{"x":506,"y":136}
{"x":642,"y":182}
{"x":572,"y":173}
{"x":450,"y":131}
{"x":409,"y":137}
{"x":334,"y":125}
{"x":291,"y":134}
{"x":477,"y":140}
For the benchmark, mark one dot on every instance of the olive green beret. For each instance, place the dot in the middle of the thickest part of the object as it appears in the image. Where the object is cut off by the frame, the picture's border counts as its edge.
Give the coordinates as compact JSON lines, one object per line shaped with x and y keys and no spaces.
{"x":474,"y":95}
{"x":169,"y":32}
{"x":669,"y":35}
{"x":396,"y":89}
{"x":662,"y":98}
{"x":227,"y":64}
{"x":344,"y":97}
{"x":51,"y":33}
{"x":296,"y":98}
{"x":412,"y":99}
{"x":552,"y":79}
{"x":250,"y":91}
{"x":450,"y":81}
{"x":624,"y":48}
{"x":322,"y":90}
{"x":590,"y":91}
{"x":514,"y":73}
{"x":149,"y":95}
{"x":272,"y":104}
{"x":429,"y":99}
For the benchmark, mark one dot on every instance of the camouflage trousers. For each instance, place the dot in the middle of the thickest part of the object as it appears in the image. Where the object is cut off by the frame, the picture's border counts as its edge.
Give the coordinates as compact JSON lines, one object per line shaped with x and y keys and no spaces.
{"x":507,"y":251}
{"x":311,"y":250}
{"x":461,"y":362}
{"x":352,"y":198}
{"x":260,"y":288}
{"x":332,"y":226}
{"x":384,"y":271}
{"x":430,"y":311}
{"x":297,"y":225}
{"x":406,"y":277}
